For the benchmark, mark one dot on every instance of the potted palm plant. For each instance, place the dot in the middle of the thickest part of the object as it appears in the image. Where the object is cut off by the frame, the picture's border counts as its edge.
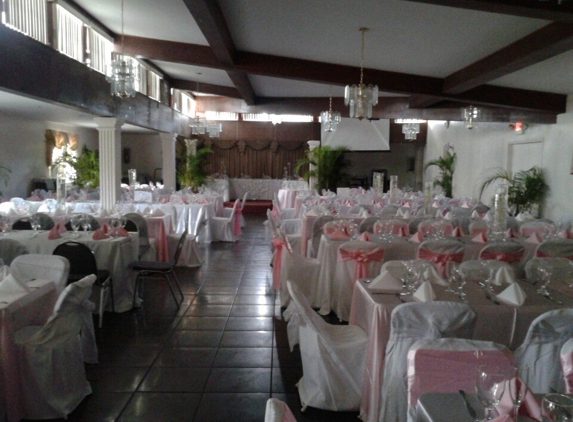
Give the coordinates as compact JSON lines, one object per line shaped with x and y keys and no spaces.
{"x":191,"y":172}
{"x":326,"y":164}
{"x":446,"y":164}
{"x":86,"y":166}
{"x":526,"y":189}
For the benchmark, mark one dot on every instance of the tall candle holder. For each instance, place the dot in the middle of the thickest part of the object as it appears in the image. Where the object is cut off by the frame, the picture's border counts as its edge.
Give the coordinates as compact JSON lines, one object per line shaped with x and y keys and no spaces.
{"x":393,"y":189}
{"x":428,"y":197}
{"x":61,"y":187}
{"x":132,"y":174}
{"x":500,"y":211}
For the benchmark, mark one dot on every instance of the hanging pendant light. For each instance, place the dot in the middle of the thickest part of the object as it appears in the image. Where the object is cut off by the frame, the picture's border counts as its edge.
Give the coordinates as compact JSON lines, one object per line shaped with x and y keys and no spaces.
{"x":122,"y":74}
{"x":199,"y":125}
{"x":330,"y":119}
{"x":471,"y":116}
{"x":361,"y":97}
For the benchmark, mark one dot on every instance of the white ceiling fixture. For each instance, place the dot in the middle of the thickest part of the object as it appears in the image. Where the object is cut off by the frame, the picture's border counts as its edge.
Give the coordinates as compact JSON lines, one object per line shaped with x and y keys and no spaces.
{"x":122,"y":74}
{"x":330,"y":119}
{"x":471,"y":116}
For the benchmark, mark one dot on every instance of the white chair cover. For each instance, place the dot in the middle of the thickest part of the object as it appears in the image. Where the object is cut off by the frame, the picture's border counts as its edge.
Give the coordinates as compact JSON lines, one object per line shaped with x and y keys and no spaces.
{"x":228,"y":210}
{"x":147,"y":250}
{"x":448,"y":365}
{"x":567,"y":365}
{"x":510,"y":252}
{"x":555,"y":248}
{"x":541,"y":348}
{"x":190,"y":255}
{"x":226,"y":229}
{"x":477,"y":227}
{"x":367,"y":225}
{"x":539,"y":226}
{"x":48,"y":267}
{"x":10,"y":249}
{"x":561,"y":269}
{"x":438,"y":252}
{"x":355,"y":259}
{"x":317,"y":233}
{"x":51,"y":362}
{"x":496,"y":266}
{"x":333,"y":359}
{"x":278,"y":411}
{"x":411,"y":322}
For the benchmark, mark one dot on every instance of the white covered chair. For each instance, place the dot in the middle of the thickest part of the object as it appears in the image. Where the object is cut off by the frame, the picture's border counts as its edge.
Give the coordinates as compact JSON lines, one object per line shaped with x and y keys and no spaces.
{"x":293,"y":239}
{"x":333,"y":359}
{"x":48,"y":267}
{"x":438,"y":252}
{"x":555,"y":248}
{"x":226,"y":229}
{"x":541,"y":227}
{"x":448,"y":365}
{"x":509,"y":252}
{"x":561,"y":269}
{"x":541,"y":349}
{"x":411,"y":322}
{"x":228,"y":210}
{"x":355,"y":259}
{"x":317,"y":230}
{"x":278,"y":411}
{"x":567,"y":365}
{"x":10,"y":249}
{"x":51,"y":363}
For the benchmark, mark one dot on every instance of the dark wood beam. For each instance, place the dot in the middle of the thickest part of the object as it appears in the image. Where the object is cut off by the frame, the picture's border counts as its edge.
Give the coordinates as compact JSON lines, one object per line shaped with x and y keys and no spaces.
{"x":209,"y":17}
{"x":423,"y":101}
{"x":225,"y":91}
{"x":547,"y":42}
{"x":547,"y":10}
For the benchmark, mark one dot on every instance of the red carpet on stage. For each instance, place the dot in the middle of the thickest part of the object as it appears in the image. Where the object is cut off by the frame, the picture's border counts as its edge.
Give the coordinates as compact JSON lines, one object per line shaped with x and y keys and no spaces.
{"x":254,"y":207}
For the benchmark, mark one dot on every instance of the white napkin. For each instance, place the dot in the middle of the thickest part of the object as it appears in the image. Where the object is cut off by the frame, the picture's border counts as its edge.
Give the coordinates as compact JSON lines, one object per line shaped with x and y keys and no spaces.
{"x":104,"y":213}
{"x":504,"y":276}
{"x":364,"y":213}
{"x":158,"y":213}
{"x":312,"y":213}
{"x":512,"y":295}
{"x":433,"y":276}
{"x":4,"y":271}
{"x":146,"y":211}
{"x":475,"y":214}
{"x":439,"y":214}
{"x":12,"y":211}
{"x":524,"y":216}
{"x":487,"y":217}
{"x":407,"y":214}
{"x":425,"y":293}
{"x":448,"y":216}
{"x":385,"y":283}
{"x":13,"y":285}
{"x":534,"y":238}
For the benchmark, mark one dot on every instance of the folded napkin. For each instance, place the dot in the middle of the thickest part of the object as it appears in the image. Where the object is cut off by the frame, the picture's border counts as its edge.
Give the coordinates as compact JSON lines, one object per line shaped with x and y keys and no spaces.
{"x":466,"y":204}
{"x":438,"y":214}
{"x":448,"y":216}
{"x":146,"y":211}
{"x":14,"y":285}
{"x":512,"y":295}
{"x":100,"y":235}
{"x":121,"y":232}
{"x":504,"y":276}
{"x":530,"y":405}
{"x":385,"y":282}
{"x":534,"y":238}
{"x":364,"y":213}
{"x":61,"y":227}
{"x":104,"y":213}
{"x":509,"y":233}
{"x":524,"y":216}
{"x":480,"y":238}
{"x":564,"y":234}
{"x":158,"y":213}
{"x":417,"y":237}
{"x":312,"y":213}
{"x":164,"y":200}
{"x":457,"y":232}
{"x":105,"y":228}
{"x":365,"y":236}
{"x":425,"y":293}
{"x":54,"y":232}
{"x":403,"y":231}
{"x":12,"y":211}
{"x":432,"y":275}
{"x":475,"y":214}
{"x":436,"y":204}
{"x":487,"y":217}
{"x":339,"y":234}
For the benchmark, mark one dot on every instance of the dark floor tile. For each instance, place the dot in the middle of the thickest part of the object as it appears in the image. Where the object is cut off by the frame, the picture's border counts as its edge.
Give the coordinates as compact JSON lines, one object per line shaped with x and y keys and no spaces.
{"x":239,"y":380}
{"x":255,"y":290}
{"x":252,"y":311}
{"x":128,"y":354}
{"x":208,"y":310}
{"x":218,"y":290}
{"x":284,"y":380}
{"x":284,"y":358}
{"x":254,"y":300}
{"x":169,"y":379}
{"x":247,"y":339}
{"x":114,"y":379}
{"x":192,"y":357}
{"x":202,"y":323}
{"x":155,"y":407}
{"x":207,"y":299}
{"x":100,"y":407}
{"x":243,"y":357}
{"x":249,"y":324}
{"x":235,"y":407}
{"x":195,"y":339}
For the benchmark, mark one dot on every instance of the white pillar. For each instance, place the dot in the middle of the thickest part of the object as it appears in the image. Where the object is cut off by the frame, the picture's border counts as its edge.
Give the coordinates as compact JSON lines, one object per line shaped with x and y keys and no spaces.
{"x":312,"y":180}
{"x":168,"y":151}
{"x":109,"y":160}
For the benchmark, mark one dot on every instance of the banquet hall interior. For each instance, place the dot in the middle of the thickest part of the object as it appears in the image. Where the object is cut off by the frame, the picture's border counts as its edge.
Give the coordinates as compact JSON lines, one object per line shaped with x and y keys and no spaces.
{"x":255,"y":86}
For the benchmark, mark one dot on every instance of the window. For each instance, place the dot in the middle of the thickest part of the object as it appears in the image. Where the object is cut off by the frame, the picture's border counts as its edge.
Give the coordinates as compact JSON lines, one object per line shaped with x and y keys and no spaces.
{"x":99,"y":50}
{"x":27,"y":16}
{"x":69,"y":34}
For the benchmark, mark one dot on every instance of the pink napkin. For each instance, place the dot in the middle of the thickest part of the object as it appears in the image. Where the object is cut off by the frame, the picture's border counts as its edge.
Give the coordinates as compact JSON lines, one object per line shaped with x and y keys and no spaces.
{"x":54,"y":232}
{"x":99,"y":235}
{"x":34,"y":198}
{"x":365,"y":236}
{"x":121,"y":232}
{"x":511,"y":233}
{"x":202,"y":201}
{"x":534,"y":238}
{"x":61,"y":228}
{"x":70,"y":198}
{"x":480,"y":238}
{"x":105,"y":229}
{"x":418,"y":238}
{"x":164,"y":200}
{"x":466,"y":205}
{"x":339,"y":233}
{"x":457,"y":232}
{"x":530,"y":406}
{"x":565,"y":234}
{"x":402,"y":231}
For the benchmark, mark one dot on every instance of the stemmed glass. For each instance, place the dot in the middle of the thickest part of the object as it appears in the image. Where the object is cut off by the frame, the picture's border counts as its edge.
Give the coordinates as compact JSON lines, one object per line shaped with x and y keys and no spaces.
{"x":85,"y":222}
{"x":518,"y":388}
{"x":75,"y":222}
{"x":489,"y":272}
{"x":490,"y":385}
{"x":452,"y":273}
{"x":544,"y":272}
{"x":556,"y":408}
{"x":35,"y":223}
{"x":114,"y":224}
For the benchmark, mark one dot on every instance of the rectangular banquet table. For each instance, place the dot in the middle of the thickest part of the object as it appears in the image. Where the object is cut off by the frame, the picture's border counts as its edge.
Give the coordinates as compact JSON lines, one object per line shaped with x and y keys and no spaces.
{"x":17,"y":311}
{"x":503,"y":324}
{"x":113,"y":254}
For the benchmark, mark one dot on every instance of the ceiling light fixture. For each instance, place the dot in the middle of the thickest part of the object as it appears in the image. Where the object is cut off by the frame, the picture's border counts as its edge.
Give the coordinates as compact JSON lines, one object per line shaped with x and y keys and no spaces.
{"x":122,"y":74}
{"x":471,"y":116}
{"x":410,"y":127}
{"x":330,"y":119}
{"x":199,"y":125}
{"x":361,"y":97}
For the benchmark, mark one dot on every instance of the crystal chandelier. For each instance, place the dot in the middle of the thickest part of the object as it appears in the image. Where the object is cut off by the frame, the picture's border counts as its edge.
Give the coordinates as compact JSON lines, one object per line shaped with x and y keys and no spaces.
{"x":122,"y":73}
{"x":361,"y":97}
{"x":410,"y":127}
{"x":199,"y":125}
{"x":471,"y":116}
{"x":330,"y":119}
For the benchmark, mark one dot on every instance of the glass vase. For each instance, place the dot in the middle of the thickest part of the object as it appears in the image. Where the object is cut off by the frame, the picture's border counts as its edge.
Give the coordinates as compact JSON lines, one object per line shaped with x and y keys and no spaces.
{"x":500,"y":211}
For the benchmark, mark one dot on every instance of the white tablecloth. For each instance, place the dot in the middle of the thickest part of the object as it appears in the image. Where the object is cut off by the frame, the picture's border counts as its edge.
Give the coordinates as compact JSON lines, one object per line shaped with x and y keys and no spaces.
{"x":503,"y":324}
{"x":263,"y":189}
{"x":114,"y":254}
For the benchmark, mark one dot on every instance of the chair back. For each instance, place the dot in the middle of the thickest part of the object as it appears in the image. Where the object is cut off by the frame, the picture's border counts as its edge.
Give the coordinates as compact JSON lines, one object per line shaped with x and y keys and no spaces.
{"x":439,"y":252}
{"x":481,"y":209}
{"x":317,"y":231}
{"x":10,"y":249}
{"x":244,"y":200}
{"x":555,"y":248}
{"x":179,"y":247}
{"x":503,"y":273}
{"x":477,"y":226}
{"x":136,"y":223}
{"x":367,"y":225}
{"x":22,"y":224}
{"x":567,"y":365}
{"x":510,"y":252}
{"x":541,"y":349}
{"x":46,"y":222}
{"x":49,"y":267}
{"x":541,"y":227}
{"x":82,"y":259}
{"x":561,"y":269}
{"x":365,"y":258}
{"x":389,"y":209}
{"x":274,"y":228}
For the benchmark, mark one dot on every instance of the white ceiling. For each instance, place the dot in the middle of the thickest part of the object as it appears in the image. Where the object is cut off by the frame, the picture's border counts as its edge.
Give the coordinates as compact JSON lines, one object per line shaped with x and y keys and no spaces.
{"x":405,"y":36}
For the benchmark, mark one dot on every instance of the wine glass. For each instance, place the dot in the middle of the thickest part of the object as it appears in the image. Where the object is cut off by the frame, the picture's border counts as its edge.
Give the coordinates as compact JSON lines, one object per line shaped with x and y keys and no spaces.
{"x":452,"y":274}
{"x":556,"y":408}
{"x":85,"y":222}
{"x":114,"y":225}
{"x":517,"y":387}
{"x":490,"y":385}
{"x":544,"y":273}
{"x":487,"y":271}
{"x":75,"y":222}
{"x":35,"y":223}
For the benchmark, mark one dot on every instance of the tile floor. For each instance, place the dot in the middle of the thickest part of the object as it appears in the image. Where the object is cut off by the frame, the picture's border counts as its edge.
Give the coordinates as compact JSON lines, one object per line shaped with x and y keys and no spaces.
{"x":217,"y":358}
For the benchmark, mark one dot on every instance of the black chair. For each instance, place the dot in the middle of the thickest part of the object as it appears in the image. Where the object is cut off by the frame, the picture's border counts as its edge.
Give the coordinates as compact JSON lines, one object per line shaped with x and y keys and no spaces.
{"x":164,"y":269}
{"x":22,"y":224}
{"x":93,"y":224}
{"x":46,"y":222}
{"x":83,"y":263}
{"x":136,"y":223}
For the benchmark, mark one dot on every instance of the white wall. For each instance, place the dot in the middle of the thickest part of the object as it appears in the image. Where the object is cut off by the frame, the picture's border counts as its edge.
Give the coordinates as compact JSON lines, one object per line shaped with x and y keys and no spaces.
{"x":482,"y":149}
{"x":23,"y":150}
{"x":146,"y":155}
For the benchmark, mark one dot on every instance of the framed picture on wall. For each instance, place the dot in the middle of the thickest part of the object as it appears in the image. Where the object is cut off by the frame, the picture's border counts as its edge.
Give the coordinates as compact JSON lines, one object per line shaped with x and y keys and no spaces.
{"x":378,"y":178}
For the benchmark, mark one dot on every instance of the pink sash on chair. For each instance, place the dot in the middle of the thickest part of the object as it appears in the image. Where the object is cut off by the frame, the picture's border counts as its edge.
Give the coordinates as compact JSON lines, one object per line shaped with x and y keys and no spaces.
{"x":278,"y":244}
{"x":237,"y":221}
{"x":541,"y":254}
{"x":511,"y":257}
{"x":440,"y":259}
{"x":362,"y":259}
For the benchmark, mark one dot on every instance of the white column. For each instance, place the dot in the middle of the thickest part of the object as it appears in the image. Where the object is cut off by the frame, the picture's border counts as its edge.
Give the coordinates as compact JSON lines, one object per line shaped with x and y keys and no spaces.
{"x":169,"y":159}
{"x":109,"y":160}
{"x":312,"y":180}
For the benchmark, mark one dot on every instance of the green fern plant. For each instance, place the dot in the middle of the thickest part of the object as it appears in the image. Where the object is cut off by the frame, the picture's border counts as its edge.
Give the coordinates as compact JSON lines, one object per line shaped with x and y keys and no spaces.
{"x":446,"y":164}
{"x":86,"y":166}
{"x":191,"y":172}
{"x":329,"y":166}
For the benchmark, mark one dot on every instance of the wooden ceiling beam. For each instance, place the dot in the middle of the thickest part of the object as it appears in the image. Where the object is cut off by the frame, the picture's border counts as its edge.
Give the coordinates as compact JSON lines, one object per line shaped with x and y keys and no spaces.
{"x":547,"y":42}
{"x":546,"y":10}
{"x":185,"y":85}
{"x":209,"y":17}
